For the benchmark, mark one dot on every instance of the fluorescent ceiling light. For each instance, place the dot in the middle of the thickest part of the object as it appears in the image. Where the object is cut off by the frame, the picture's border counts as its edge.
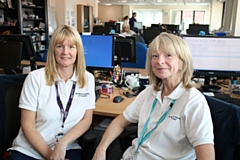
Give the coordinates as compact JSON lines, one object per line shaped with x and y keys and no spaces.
{"x":108,"y":4}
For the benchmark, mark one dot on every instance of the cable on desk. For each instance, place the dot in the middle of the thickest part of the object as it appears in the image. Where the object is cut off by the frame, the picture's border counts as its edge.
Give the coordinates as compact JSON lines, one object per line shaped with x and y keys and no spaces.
{"x":105,"y":96}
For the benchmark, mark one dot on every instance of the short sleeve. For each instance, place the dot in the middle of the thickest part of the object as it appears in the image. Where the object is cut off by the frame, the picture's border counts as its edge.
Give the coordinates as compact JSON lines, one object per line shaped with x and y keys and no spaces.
{"x":198,"y":123}
{"x":91,"y":91}
{"x":131,"y":113}
{"x":29,"y":95}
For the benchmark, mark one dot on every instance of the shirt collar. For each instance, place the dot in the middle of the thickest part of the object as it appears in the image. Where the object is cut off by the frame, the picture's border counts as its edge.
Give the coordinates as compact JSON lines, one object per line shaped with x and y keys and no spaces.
{"x":177,"y":92}
{"x":73,"y":78}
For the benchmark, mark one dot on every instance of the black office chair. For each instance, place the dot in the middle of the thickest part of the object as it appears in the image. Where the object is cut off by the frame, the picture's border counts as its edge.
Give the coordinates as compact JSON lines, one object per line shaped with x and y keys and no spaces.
{"x":10,"y":89}
{"x":139,"y":39}
{"x":226,"y":126}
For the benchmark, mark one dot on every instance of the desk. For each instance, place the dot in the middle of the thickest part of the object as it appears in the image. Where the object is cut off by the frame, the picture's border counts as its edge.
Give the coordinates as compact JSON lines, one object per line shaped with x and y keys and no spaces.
{"x":27,"y":62}
{"x":105,"y":107}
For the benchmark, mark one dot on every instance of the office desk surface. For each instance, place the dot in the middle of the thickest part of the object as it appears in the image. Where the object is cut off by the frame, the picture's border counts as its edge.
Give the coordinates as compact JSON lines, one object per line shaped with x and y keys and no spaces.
{"x":105,"y":107}
{"x":26,"y":62}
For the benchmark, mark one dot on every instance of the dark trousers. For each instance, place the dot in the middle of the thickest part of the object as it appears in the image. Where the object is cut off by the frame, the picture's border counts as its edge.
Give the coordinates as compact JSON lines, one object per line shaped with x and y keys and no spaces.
{"x":73,"y":154}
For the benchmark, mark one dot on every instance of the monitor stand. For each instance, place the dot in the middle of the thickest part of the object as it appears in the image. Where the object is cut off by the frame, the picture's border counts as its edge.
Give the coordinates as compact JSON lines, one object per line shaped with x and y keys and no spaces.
{"x":210,"y":88}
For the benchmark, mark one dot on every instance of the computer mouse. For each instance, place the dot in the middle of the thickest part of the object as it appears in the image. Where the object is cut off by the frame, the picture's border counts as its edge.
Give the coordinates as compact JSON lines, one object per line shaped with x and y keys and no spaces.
{"x":128,"y":95}
{"x":118,"y":99}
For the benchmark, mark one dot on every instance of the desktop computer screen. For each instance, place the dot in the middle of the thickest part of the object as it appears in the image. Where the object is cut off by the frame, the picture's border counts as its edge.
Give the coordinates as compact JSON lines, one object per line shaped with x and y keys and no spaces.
{"x":150,"y":33}
{"x":125,"y":47}
{"x":10,"y":55}
{"x":138,"y":25}
{"x":173,"y":28}
{"x":215,"y":56}
{"x":28,"y":51}
{"x":196,"y":28}
{"x":113,"y":25}
{"x":98,"y":51}
{"x":101,"y":29}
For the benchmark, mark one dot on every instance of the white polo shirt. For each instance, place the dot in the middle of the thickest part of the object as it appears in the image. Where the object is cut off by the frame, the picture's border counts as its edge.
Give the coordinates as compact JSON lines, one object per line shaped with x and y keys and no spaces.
{"x":41,"y":98}
{"x":187,"y":125}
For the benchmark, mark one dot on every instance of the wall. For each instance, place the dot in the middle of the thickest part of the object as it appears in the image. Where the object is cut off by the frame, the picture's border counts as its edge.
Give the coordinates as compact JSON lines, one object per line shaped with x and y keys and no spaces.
{"x":64,"y":7}
{"x":216,"y":15}
{"x":236,"y":19}
{"x":70,"y":13}
{"x":106,"y":13}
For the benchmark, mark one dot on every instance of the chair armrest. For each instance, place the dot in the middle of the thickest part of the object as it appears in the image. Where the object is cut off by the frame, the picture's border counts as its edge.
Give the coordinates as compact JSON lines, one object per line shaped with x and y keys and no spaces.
{"x":87,"y":138}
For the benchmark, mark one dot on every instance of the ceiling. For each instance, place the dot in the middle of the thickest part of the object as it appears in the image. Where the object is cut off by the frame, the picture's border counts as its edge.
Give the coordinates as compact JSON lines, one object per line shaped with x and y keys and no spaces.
{"x":155,"y":2}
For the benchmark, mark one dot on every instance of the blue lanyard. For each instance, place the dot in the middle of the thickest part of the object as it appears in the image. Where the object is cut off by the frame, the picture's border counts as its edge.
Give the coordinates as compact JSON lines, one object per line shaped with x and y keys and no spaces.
{"x":69,"y":103}
{"x":143,"y":137}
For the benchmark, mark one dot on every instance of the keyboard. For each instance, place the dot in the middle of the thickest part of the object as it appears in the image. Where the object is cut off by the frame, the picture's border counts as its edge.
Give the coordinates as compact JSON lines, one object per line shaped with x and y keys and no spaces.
{"x":230,"y":100}
{"x":97,"y":94}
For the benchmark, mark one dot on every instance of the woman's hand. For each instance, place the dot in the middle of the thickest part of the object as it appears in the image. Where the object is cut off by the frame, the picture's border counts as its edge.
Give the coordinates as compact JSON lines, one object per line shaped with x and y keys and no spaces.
{"x":59,"y":151}
{"x":100,"y":154}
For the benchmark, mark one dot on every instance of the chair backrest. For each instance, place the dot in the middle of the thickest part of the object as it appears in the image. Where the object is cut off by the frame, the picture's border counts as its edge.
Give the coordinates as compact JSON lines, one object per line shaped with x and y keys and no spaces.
{"x":10,"y":89}
{"x":141,"y":53}
{"x":139,"y":39}
{"x":226,"y":126}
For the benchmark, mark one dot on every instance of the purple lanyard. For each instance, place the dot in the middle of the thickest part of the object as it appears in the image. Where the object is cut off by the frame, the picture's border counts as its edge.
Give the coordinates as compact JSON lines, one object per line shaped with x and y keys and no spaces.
{"x":59,"y":102}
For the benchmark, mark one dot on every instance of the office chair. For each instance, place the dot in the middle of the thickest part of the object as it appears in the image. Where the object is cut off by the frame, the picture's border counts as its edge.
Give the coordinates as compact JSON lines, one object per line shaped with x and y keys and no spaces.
{"x":139,"y":39}
{"x":226,"y":127}
{"x":141,"y":53}
{"x":10,"y":90}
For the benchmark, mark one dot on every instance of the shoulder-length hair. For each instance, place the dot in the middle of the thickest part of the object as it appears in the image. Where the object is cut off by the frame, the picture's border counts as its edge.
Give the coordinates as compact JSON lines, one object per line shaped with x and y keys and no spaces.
{"x":59,"y":36}
{"x":174,"y":45}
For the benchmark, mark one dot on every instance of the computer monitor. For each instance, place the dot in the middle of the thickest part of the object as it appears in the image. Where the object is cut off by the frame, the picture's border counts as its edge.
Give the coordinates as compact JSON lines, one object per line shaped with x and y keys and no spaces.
{"x":150,"y":33}
{"x":101,"y":29}
{"x":173,"y":28}
{"x":28,"y":52}
{"x":196,"y":28}
{"x":214,"y":56}
{"x":155,"y":25}
{"x":125,"y":47}
{"x":138,"y":25}
{"x":10,"y":56}
{"x":115,"y":26}
{"x":98,"y":51}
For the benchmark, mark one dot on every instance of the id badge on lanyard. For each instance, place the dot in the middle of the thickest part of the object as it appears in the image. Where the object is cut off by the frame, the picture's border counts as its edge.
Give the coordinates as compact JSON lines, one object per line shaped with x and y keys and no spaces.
{"x":64,"y":113}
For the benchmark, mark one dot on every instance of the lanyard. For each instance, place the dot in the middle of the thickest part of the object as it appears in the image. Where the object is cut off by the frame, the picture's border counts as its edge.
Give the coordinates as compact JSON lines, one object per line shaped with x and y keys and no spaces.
{"x":59,"y":102}
{"x":143,"y":137}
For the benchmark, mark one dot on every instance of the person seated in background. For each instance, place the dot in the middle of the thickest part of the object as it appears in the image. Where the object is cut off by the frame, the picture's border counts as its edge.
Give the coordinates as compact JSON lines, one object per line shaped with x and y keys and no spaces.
{"x":56,"y":102}
{"x":165,"y":29}
{"x":126,"y":31}
{"x":174,"y":120}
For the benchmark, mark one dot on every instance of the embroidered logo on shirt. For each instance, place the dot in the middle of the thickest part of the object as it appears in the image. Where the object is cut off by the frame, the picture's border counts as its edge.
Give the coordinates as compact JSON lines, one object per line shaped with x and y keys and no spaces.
{"x":82,"y":94}
{"x":175,"y":117}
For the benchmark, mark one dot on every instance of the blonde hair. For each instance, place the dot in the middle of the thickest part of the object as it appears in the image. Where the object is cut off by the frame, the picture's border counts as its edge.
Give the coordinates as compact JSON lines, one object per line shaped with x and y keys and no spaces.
{"x":59,"y":36}
{"x":174,"y":45}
